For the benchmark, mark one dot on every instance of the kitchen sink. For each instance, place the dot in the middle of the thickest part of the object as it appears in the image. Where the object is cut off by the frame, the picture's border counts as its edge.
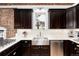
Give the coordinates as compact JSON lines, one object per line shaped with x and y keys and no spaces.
{"x":40,"y":41}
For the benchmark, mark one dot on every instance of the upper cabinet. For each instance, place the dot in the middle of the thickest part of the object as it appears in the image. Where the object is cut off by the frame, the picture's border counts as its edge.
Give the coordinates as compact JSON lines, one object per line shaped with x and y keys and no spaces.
{"x":57,"y":18}
{"x":42,"y":18}
{"x":64,"y":19}
{"x":23,"y":18}
{"x":71,"y":18}
{"x":77,"y":16}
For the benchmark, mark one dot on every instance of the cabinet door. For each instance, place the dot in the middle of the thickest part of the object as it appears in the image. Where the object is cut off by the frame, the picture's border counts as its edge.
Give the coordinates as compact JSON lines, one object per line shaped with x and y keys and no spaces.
{"x":76,"y":49}
{"x":57,"y":18}
{"x":35,"y":50}
{"x":68,"y":48}
{"x":26,"y":47}
{"x":77,"y":16}
{"x":70,"y":18}
{"x":40,"y":50}
{"x":23,"y":18}
{"x":45,"y":50}
{"x":16,"y":52}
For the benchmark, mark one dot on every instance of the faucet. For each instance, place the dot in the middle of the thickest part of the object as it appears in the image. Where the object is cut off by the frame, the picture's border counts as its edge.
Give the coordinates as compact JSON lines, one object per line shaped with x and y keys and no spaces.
{"x":40,"y":34}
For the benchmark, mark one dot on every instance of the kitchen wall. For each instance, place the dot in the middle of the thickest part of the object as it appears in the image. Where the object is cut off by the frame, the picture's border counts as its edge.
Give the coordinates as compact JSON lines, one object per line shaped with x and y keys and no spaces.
{"x":7,"y":21}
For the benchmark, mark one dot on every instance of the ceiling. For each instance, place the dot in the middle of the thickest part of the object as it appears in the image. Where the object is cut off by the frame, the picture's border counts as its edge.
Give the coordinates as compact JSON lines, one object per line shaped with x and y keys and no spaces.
{"x":36,"y":5}
{"x":57,"y":4}
{"x":39,"y":1}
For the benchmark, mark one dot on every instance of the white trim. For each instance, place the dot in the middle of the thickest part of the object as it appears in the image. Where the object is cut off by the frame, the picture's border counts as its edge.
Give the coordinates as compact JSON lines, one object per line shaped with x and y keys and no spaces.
{"x":37,"y":6}
{"x":38,"y":1}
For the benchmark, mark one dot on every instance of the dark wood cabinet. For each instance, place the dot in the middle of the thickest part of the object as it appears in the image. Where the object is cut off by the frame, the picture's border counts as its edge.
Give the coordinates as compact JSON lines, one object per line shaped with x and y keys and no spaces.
{"x":57,"y":18}
{"x":70,"y":48}
{"x":75,"y":49}
{"x":26,"y":47}
{"x":77,"y":17}
{"x":71,"y":18}
{"x":23,"y":18}
{"x":45,"y":50}
{"x":40,"y":50}
{"x":68,"y":18}
{"x":21,"y":48}
{"x":16,"y":52}
{"x":35,"y":51}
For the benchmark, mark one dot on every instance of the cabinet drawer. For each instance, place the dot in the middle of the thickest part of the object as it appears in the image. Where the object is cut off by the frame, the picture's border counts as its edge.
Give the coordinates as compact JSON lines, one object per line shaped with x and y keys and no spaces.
{"x":35,"y":51}
{"x":45,"y":50}
{"x":36,"y":47}
{"x":42,"y":50}
{"x":45,"y":47}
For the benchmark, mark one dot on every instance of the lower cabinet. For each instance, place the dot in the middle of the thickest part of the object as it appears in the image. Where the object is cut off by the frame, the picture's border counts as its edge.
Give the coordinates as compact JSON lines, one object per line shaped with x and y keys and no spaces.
{"x":76,"y":49}
{"x":70,"y":48}
{"x":26,"y":47}
{"x":40,"y":50}
{"x":21,"y":48}
{"x":67,"y":47}
{"x":35,"y":51}
{"x":16,"y":52}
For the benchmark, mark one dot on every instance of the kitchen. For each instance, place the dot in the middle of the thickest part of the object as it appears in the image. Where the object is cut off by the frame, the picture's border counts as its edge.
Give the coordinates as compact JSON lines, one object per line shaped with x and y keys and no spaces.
{"x":39,"y":29}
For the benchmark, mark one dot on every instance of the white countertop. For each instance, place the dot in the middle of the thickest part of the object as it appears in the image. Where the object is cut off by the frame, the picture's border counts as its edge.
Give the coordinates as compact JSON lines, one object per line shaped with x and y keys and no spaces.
{"x":50,"y":34}
{"x":9,"y":45}
{"x":2,"y":48}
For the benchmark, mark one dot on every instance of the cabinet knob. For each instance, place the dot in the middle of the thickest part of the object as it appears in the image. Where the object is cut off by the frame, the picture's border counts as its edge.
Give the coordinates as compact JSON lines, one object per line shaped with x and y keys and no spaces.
{"x":39,"y":47}
{"x":14,"y":53}
{"x":25,"y":41}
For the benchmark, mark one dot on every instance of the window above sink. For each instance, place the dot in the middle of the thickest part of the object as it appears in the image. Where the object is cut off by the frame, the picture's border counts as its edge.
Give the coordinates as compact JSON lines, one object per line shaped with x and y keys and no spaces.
{"x":40,"y":18}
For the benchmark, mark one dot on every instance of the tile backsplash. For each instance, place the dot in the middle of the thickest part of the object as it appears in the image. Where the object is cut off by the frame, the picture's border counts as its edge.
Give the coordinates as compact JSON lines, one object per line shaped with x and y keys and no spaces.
{"x":7,"y":21}
{"x":50,"y":34}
